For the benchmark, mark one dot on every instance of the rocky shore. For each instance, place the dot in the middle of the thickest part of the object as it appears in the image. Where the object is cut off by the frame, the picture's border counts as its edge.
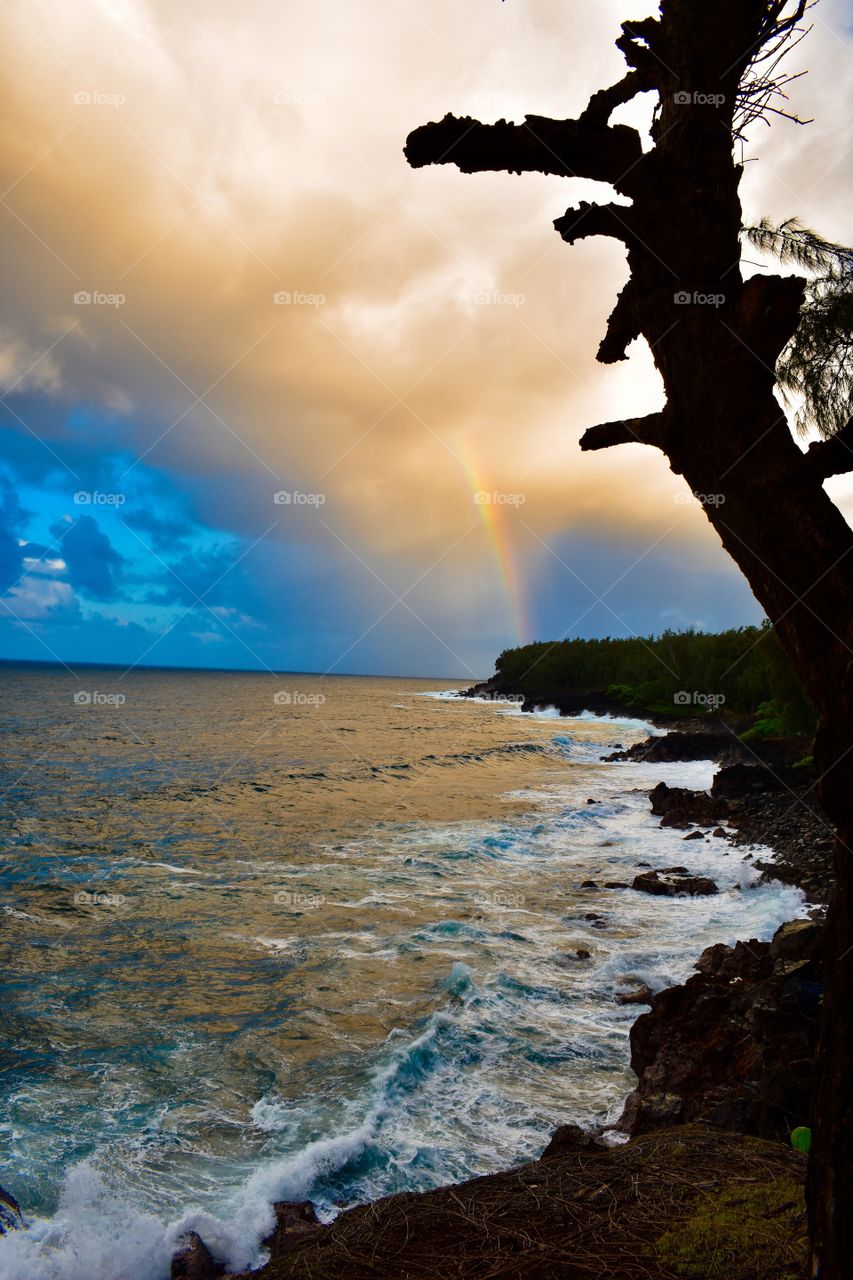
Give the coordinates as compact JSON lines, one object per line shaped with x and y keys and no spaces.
{"x":723,"y":1060}
{"x":724,"y":1064}
{"x":688,"y":1201}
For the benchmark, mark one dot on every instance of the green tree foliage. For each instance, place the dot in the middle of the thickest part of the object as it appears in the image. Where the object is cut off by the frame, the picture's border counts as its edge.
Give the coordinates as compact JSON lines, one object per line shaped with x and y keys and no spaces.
{"x":744,"y":671}
{"x":815,"y":370}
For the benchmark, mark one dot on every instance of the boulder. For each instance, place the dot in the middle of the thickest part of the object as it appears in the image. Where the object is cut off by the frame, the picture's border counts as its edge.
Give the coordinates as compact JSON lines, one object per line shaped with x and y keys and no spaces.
{"x":680,"y":807}
{"x":192,"y":1260}
{"x":293,"y":1223}
{"x":674,"y":886}
{"x":566,"y":1139}
{"x":642,"y":995}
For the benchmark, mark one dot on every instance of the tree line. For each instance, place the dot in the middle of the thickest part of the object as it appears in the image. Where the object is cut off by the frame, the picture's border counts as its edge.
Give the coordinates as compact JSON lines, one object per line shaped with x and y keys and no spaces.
{"x":742,"y":672}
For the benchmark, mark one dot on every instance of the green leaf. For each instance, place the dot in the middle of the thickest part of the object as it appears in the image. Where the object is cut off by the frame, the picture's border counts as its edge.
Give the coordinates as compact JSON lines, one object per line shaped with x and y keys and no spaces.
{"x":801,"y":1139}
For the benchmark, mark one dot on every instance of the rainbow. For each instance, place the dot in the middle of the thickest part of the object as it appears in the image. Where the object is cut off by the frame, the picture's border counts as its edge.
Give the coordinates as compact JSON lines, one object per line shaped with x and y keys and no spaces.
{"x":494,"y":517}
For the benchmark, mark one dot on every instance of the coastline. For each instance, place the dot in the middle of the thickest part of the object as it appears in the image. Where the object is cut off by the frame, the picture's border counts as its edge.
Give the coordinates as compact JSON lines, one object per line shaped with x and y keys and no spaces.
{"x":298,"y":1233}
{"x":725,"y":1108}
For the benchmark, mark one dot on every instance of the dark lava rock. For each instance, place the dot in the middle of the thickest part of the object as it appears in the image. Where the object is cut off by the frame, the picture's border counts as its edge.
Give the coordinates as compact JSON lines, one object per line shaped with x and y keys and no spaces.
{"x":680,"y":807}
{"x":567,"y":959}
{"x":589,"y":884}
{"x":734,"y":1046}
{"x":294,"y":1222}
{"x":11,"y":1218}
{"x":719,"y":832}
{"x":592,"y":1212}
{"x":779,"y":807}
{"x":566,"y":1139}
{"x":694,"y":835}
{"x":671,"y":886}
{"x":736,"y":781}
{"x":616,"y":884}
{"x":192,"y":1260}
{"x":682,"y":746}
{"x":642,"y":995}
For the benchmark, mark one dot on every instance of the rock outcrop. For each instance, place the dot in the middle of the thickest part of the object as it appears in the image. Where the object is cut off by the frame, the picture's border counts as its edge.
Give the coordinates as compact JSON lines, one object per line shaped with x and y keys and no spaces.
{"x":700,"y":745}
{"x":579,"y":1213}
{"x":680,"y":807}
{"x":734,"y":1046}
{"x":294,"y":1224}
{"x":192,"y":1260}
{"x":674,"y":883}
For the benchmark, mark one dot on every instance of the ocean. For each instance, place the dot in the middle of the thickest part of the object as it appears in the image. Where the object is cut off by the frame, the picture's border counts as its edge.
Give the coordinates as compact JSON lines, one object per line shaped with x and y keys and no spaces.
{"x":287,"y":937}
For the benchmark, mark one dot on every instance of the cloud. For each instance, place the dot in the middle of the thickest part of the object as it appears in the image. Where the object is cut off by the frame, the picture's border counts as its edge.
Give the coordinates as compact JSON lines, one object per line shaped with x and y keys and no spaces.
{"x":164,"y":533}
{"x":36,"y":598}
{"x":93,"y":564}
{"x":12,"y":519}
{"x":176,"y":171}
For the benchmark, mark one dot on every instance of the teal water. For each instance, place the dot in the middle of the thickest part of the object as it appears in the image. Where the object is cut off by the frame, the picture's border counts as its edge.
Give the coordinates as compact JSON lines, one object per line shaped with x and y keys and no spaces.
{"x":284,"y":937}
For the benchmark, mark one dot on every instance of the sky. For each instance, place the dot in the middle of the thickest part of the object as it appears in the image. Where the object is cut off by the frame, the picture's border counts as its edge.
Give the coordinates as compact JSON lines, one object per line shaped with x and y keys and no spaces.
{"x":271,"y":399}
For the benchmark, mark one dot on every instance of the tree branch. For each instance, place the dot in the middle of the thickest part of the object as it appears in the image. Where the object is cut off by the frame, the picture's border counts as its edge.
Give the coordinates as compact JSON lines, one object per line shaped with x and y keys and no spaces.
{"x":568,"y":148}
{"x":833,"y":457}
{"x":603,"y":103}
{"x":623,"y":326}
{"x":637,"y":45}
{"x":595,"y":220}
{"x":648,"y":430}
{"x":767,"y":313}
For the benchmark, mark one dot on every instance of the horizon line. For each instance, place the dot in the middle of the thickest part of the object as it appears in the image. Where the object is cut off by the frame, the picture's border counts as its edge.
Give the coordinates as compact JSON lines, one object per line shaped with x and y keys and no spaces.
{"x":245,"y":671}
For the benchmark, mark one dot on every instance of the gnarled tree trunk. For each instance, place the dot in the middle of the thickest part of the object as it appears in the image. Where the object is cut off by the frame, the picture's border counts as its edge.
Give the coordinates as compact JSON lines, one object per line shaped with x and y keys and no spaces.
{"x":715,"y":340}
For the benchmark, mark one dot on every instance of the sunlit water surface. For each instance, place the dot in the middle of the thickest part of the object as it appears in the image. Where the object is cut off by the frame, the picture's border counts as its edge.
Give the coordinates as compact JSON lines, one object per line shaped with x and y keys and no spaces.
{"x":283,"y":937}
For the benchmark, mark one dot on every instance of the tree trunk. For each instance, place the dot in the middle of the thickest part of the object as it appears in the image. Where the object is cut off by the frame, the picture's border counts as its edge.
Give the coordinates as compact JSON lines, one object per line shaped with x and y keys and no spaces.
{"x":831,"y":1164}
{"x":715,"y":340}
